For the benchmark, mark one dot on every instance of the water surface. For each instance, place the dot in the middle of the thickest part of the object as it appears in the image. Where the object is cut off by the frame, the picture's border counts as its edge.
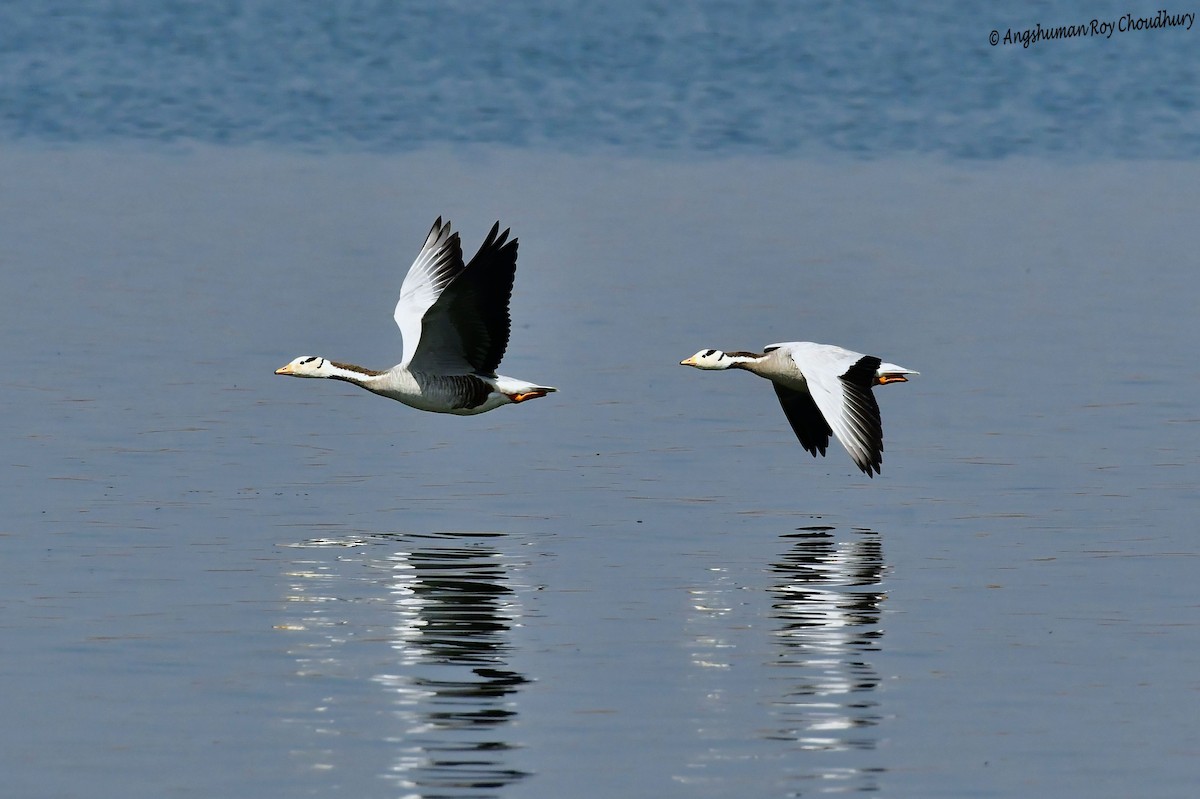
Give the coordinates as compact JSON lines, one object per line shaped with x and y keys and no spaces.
{"x":221,"y":581}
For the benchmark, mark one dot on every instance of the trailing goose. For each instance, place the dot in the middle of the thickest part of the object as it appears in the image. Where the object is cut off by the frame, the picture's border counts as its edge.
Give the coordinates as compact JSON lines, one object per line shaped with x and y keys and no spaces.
{"x":455,"y":324}
{"x":823,"y":389}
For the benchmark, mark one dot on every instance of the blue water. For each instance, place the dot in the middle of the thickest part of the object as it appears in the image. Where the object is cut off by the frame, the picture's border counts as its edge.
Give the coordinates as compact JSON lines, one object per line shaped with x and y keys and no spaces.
{"x":219,"y":582}
{"x":654,"y":78}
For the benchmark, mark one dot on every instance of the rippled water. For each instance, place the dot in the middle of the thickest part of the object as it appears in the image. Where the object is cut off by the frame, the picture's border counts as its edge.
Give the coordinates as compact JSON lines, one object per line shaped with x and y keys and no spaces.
{"x":429,"y":630}
{"x":828,"y":606}
{"x":429,"y":638}
{"x":646,"y":78}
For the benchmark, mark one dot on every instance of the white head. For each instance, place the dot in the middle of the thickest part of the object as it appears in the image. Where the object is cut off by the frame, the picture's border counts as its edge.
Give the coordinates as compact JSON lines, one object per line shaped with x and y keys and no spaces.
{"x":708,"y":359}
{"x":307,"y":366}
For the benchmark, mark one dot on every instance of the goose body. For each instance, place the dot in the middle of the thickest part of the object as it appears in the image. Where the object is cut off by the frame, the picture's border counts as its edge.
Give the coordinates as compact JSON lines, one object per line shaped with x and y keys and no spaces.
{"x":455,"y":325}
{"x":823,"y":389}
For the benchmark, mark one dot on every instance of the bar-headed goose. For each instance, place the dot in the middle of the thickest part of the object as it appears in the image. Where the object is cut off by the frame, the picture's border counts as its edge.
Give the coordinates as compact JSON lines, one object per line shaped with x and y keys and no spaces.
{"x":455,"y":324}
{"x":823,"y":389}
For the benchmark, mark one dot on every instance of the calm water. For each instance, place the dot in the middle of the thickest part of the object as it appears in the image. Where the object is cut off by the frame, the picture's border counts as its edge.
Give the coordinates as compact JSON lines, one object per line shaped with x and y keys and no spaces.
{"x":221,"y":583}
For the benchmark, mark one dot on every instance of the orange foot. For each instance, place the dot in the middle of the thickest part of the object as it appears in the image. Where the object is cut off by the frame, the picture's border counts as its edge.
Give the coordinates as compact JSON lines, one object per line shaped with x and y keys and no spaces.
{"x":528,"y":395}
{"x":883,"y":380}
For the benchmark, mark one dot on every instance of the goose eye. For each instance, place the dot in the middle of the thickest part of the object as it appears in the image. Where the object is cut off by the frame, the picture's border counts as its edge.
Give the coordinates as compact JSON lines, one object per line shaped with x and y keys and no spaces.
{"x":709,"y":353}
{"x":309,"y":360}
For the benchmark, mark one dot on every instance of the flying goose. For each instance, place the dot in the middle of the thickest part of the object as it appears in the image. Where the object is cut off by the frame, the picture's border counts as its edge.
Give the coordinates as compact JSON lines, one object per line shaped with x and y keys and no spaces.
{"x":455,"y":324}
{"x":823,"y":389}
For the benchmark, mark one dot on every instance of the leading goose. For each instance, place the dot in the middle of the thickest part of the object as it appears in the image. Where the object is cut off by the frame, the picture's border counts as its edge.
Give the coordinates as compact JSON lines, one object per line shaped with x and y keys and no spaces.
{"x":823,"y":389}
{"x":455,"y":324}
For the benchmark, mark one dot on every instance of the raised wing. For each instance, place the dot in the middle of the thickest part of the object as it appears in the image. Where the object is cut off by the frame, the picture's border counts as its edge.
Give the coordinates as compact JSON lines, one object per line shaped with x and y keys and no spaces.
{"x":437,"y":265}
{"x":468,"y":325}
{"x":840,"y":382}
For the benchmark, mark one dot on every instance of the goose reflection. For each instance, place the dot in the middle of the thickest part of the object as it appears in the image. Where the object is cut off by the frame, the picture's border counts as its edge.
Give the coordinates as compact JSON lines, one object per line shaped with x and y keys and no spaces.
{"x":453,"y":688}
{"x":826,"y":606}
{"x":448,"y":678}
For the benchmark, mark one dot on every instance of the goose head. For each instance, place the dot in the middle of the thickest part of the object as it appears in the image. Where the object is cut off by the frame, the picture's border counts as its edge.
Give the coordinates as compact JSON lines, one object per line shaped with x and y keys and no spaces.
{"x":708,"y":359}
{"x":307,"y":366}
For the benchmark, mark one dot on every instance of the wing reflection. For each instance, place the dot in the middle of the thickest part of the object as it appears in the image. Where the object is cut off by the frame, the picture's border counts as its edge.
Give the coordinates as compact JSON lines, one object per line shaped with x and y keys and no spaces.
{"x":827,"y":607}
{"x":450,"y":612}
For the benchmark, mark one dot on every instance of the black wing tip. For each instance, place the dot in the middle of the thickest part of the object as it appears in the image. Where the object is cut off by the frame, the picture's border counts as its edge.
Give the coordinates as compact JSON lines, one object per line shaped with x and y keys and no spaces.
{"x":497,"y":246}
{"x":495,"y":239}
{"x":870,"y":460}
{"x":495,"y":235}
{"x":502,"y":243}
{"x":870,"y":469}
{"x":813,"y":449}
{"x":442,"y":235}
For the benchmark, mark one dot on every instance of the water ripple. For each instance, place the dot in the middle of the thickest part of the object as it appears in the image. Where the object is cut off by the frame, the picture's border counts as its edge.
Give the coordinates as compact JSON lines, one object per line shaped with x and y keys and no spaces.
{"x":442,"y":606}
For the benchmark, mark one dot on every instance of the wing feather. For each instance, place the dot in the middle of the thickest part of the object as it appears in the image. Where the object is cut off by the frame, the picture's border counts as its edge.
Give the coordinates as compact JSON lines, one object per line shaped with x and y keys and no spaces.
{"x":467,"y":325}
{"x":437,"y":265}
{"x":840,"y":382}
